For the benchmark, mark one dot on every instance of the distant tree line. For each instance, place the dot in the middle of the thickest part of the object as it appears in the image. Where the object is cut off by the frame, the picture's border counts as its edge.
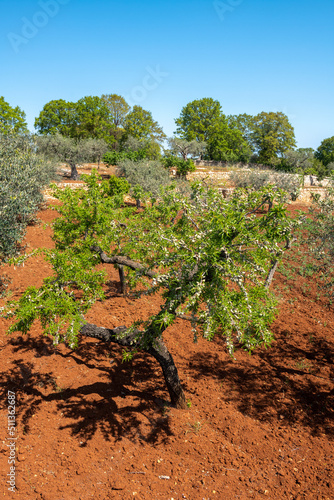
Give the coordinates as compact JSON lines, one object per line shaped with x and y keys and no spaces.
{"x":202,"y":131}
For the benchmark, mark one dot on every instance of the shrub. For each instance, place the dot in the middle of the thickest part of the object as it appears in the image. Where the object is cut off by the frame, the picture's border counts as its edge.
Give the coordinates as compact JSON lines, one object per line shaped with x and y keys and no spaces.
{"x":23,"y":175}
{"x":116,"y":157}
{"x":183,"y":167}
{"x":118,"y":185}
{"x":145,"y":177}
{"x":257,"y":179}
{"x":319,"y":239}
{"x":304,"y":161}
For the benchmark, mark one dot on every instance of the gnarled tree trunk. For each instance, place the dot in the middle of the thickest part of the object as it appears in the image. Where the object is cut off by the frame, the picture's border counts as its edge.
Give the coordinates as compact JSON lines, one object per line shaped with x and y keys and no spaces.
{"x":159,"y":351}
{"x":74,"y":172}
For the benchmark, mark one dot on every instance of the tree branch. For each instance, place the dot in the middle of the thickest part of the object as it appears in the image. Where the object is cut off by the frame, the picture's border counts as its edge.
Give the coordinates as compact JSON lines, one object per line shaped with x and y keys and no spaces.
{"x":274,"y":263}
{"x":124,"y":261}
{"x":266,"y":200}
{"x":157,"y":349}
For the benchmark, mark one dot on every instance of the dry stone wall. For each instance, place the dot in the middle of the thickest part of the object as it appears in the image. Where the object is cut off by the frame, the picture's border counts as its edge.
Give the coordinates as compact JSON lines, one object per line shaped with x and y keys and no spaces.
{"x":222,"y":179}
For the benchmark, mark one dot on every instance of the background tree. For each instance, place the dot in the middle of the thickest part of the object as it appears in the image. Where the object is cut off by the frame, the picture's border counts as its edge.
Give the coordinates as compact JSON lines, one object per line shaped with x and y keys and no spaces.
{"x":185,"y":148}
{"x":300,"y":159}
{"x":325,"y":152}
{"x":97,"y":149}
{"x":177,"y":155}
{"x":273,"y":135}
{"x":303,"y":161}
{"x":133,"y":144}
{"x":89,"y":117}
{"x":146,"y":177}
{"x":12,"y":120}
{"x":140,"y":125}
{"x":244,"y":123}
{"x":211,"y":259}
{"x":227,"y":144}
{"x":197,"y":117}
{"x":68,"y":150}
{"x":118,"y":109}
{"x":57,"y":117}
{"x":93,"y":120}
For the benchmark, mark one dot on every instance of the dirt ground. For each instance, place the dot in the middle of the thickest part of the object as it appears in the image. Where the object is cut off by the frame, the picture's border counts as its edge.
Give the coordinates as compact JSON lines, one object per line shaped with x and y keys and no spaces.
{"x":91,"y":427}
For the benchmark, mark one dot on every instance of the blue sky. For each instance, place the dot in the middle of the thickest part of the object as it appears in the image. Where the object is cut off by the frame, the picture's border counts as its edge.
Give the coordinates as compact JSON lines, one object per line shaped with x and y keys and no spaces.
{"x":251,"y":55}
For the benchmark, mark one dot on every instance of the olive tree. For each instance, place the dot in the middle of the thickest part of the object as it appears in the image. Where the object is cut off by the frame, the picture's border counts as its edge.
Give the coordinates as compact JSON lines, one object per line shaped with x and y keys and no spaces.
{"x":211,"y":259}
{"x":319,"y":238}
{"x":145,"y":177}
{"x":23,"y":175}
{"x":177,"y":156}
{"x":185,"y":148}
{"x":71,"y":151}
{"x":290,"y":184}
{"x":95,"y":149}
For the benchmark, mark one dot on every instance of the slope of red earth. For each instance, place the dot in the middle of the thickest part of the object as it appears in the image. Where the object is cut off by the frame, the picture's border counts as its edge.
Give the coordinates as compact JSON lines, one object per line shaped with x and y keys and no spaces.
{"x":91,"y":427}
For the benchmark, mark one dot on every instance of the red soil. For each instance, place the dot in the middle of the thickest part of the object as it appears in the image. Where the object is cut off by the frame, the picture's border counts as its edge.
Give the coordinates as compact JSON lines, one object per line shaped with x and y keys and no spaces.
{"x":90,"y":426}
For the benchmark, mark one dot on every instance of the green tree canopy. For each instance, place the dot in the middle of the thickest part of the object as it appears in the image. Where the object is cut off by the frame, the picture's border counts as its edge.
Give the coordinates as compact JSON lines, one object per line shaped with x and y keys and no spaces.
{"x":325,"y":152}
{"x":12,"y":120}
{"x":244,"y":123}
{"x":211,"y":259}
{"x":57,"y":116}
{"x":93,"y":119}
{"x":227,"y":144}
{"x":118,"y":108}
{"x":140,"y":125}
{"x":89,"y":117}
{"x":272,"y":135}
{"x":197,"y":117}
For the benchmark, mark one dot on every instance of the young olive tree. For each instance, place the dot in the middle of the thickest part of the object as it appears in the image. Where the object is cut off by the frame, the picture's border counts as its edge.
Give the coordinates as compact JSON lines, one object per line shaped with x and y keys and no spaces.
{"x":211,"y":259}
{"x":290,"y":184}
{"x":145,"y":177}
{"x":179,"y":151}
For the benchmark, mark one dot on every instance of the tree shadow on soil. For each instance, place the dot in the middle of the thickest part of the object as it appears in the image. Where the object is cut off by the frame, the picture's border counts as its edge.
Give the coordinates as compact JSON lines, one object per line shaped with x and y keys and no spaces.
{"x":282,"y":384}
{"x":117,"y":407}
